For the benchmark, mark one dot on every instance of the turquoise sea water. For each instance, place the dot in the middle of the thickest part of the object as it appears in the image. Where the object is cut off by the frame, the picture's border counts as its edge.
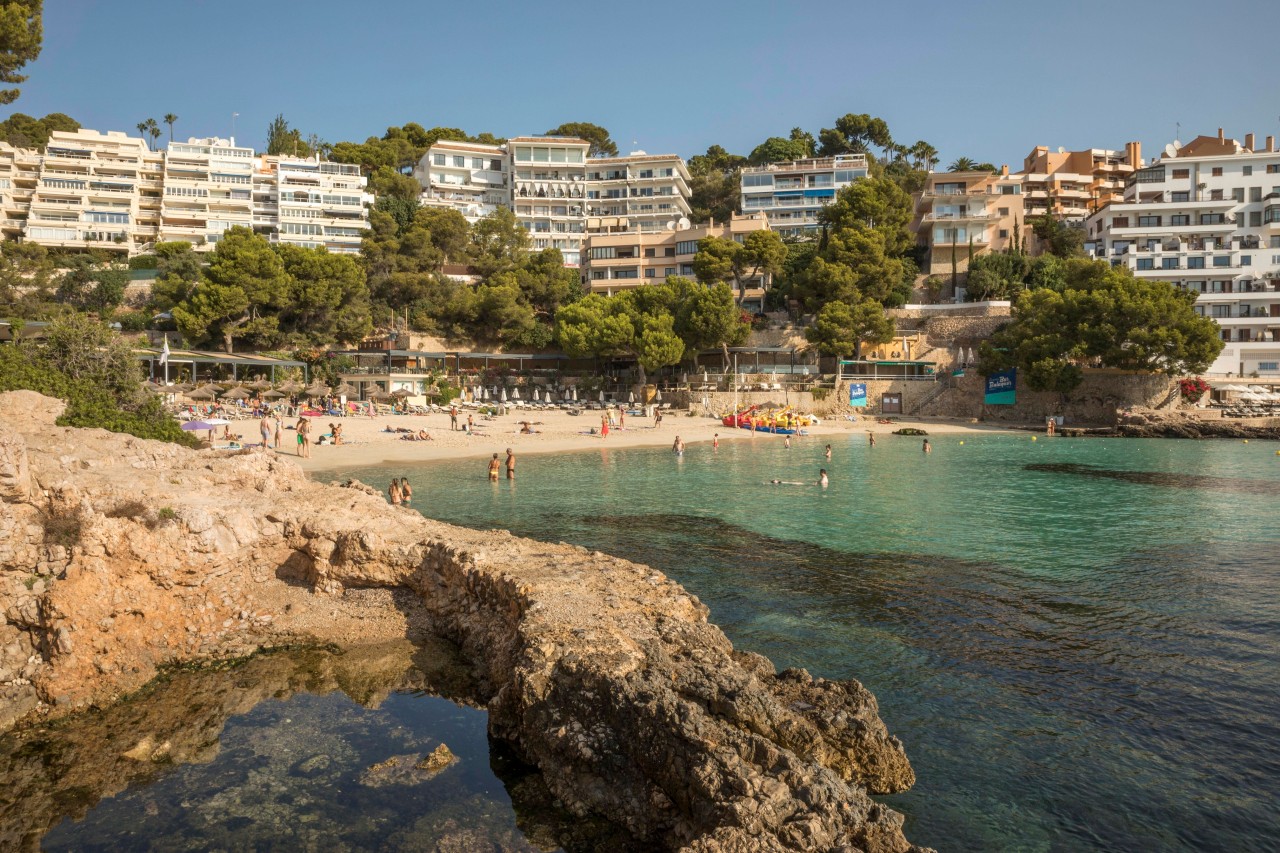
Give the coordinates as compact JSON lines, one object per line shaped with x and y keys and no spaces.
{"x":1078,"y":640}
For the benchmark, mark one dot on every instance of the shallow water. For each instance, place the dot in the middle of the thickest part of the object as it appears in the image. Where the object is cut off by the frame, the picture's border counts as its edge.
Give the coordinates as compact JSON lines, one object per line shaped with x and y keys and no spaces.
{"x":1078,"y":640}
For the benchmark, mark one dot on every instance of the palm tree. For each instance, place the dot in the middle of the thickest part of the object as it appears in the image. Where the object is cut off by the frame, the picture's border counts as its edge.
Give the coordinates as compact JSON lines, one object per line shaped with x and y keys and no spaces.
{"x":170,"y":119}
{"x":153,"y":130}
{"x":142,"y":130}
{"x":962,"y":164}
{"x":924,"y":155}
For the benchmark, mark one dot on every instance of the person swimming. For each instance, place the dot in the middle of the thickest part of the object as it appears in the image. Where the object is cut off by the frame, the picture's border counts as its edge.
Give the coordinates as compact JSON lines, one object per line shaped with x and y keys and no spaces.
{"x":822,"y":478}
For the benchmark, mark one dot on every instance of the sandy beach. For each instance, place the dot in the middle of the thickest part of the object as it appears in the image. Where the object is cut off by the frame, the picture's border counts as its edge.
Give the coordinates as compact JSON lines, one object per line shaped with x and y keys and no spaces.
{"x":366,"y":443}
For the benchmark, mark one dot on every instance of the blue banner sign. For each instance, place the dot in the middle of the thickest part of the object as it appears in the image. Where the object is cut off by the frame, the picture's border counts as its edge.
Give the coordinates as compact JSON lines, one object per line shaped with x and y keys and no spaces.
{"x":1001,"y":388}
{"x":858,"y":394}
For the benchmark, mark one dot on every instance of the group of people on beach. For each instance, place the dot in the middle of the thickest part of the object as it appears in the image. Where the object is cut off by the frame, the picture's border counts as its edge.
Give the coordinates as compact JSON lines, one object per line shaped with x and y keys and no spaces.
{"x":495,"y":465}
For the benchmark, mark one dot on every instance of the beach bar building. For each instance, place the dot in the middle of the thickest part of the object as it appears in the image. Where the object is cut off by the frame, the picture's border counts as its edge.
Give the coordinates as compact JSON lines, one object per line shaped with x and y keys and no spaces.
{"x":215,"y":365}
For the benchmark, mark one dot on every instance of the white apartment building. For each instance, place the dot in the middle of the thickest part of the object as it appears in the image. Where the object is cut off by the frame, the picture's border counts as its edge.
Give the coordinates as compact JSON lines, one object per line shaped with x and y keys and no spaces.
{"x":317,"y":204}
{"x":792,"y":194}
{"x":109,"y":191}
{"x":556,"y":191}
{"x":471,"y":178}
{"x":639,"y":192}
{"x":549,"y":191}
{"x":1206,"y":217}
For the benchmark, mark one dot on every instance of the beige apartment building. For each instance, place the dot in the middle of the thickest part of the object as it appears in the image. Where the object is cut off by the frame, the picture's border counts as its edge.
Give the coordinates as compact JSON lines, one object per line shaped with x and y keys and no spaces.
{"x":620,"y":260}
{"x":91,"y":190}
{"x":1071,"y":185}
{"x":958,"y":213}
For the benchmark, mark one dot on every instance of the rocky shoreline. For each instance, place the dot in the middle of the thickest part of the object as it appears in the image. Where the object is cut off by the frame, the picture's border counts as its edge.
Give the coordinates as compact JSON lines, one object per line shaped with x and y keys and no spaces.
{"x":1175,"y":424}
{"x":119,"y":556}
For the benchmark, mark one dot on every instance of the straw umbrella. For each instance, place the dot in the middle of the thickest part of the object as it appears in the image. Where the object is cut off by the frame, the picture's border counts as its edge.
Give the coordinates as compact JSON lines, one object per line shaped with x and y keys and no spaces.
{"x":260,"y":385}
{"x":152,"y":387}
{"x":204,"y":393}
{"x":273,"y":395}
{"x":291,"y":387}
{"x":345,"y":390}
{"x":316,"y":389}
{"x":237,"y":394}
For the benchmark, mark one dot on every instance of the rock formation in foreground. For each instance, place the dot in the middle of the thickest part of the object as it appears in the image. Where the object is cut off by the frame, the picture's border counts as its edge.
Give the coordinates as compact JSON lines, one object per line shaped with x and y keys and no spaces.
{"x":119,"y":555}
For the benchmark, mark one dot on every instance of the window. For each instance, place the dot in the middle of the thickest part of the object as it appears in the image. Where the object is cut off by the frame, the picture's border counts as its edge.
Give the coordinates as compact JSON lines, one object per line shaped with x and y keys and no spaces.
{"x":650,"y":272}
{"x":1148,"y":221}
{"x":1273,"y":168}
{"x":1180,"y":196}
{"x":603,"y":253}
{"x":687,"y":247}
{"x":1255,"y":193}
{"x":1237,"y":194}
{"x":686,"y":269}
{"x":1215,"y":195}
{"x":1004,"y":211}
{"x":1255,"y":219}
{"x":1011,"y":189}
{"x":1146,"y":264}
{"x":477,"y":162}
{"x":1120,"y":222}
{"x":1275,"y":242}
{"x":1269,"y":365}
{"x":1247,"y":170}
{"x":1211,"y":219}
{"x":1169,"y":264}
{"x":1180,"y":219}
{"x":1004,"y":233}
{"x":1246,"y":260}
{"x":1181,"y":173}
{"x":1195,"y":263}
{"x":1222,"y":260}
{"x":1222,"y":310}
{"x":669,"y":252}
{"x":597,"y":275}
{"x":630,"y":272}
{"x":1217,"y":171}
{"x":650,"y":253}
{"x":668,"y":271}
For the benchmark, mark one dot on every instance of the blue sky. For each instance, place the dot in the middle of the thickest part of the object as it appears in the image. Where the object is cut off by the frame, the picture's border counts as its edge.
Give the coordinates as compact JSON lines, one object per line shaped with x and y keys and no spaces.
{"x":987,"y":79}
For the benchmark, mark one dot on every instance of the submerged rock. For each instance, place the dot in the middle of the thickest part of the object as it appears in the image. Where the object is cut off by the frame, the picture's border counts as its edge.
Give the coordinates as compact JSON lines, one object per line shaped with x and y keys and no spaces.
{"x":602,"y":673}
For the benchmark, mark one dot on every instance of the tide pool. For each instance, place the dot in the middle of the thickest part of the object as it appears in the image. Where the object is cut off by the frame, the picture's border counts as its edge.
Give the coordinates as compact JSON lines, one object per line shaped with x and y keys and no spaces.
{"x":1078,"y":640}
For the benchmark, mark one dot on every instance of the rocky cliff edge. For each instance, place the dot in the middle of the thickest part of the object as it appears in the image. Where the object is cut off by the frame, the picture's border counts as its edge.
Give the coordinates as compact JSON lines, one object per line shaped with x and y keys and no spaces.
{"x":120,"y":555}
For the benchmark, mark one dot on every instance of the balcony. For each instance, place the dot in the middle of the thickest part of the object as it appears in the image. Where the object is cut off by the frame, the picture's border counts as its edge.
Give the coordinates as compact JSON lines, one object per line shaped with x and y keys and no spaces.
{"x":982,"y":216}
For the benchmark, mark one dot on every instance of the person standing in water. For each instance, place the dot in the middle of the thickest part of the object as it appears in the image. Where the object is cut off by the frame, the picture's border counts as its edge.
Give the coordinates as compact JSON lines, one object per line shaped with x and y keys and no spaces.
{"x":786,"y":442}
{"x":822,"y":478}
{"x":494,"y":465}
{"x":678,"y":446}
{"x":871,"y":439}
{"x":511,"y":464}
{"x":304,"y":438}
{"x":827,"y":454}
{"x":926,"y":447}
{"x":715,"y":442}
{"x":406,"y":491}
{"x":393,"y":492}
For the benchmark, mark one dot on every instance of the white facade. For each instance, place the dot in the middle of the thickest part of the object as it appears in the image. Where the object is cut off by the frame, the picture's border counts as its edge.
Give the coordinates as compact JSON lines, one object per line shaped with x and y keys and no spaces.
{"x":109,"y":191}
{"x":792,"y":194}
{"x":640,"y":192}
{"x":468,"y":177}
{"x":1206,"y":217}
{"x":549,"y":191}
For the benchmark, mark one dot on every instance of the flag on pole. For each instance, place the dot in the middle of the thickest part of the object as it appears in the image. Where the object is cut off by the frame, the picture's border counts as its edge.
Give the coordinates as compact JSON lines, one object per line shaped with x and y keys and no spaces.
{"x":164,"y":354}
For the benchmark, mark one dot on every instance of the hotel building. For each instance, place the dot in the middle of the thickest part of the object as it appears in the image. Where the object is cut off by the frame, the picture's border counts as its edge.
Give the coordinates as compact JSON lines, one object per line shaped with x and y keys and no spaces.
{"x":616,"y":261}
{"x":109,"y":191}
{"x":549,"y":191}
{"x":959,"y":212}
{"x":1206,"y":217}
{"x":1070,"y":185}
{"x":639,"y":192}
{"x":791,"y":194}
{"x":471,"y":178}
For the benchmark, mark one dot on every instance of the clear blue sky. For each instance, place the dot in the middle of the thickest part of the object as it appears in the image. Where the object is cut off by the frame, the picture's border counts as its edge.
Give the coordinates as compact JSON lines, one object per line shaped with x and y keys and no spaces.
{"x":986,"y":78}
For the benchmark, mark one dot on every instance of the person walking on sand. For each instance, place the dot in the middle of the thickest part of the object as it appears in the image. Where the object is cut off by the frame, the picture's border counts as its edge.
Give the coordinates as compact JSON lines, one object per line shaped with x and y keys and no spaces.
{"x":926,"y":447}
{"x":453,"y":418}
{"x":393,"y":492}
{"x":304,"y":438}
{"x":494,"y":465}
{"x":604,"y":427}
{"x":279,"y":427}
{"x":264,"y":426}
{"x":511,"y":464}
{"x":471,"y":424}
{"x":827,"y":453}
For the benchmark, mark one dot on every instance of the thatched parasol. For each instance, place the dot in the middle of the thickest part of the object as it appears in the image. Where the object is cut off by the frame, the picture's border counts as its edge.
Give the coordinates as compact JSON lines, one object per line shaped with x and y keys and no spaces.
{"x":380,"y":397}
{"x":153,"y":387}
{"x":400,"y":393}
{"x":345,"y":390}
{"x":237,"y":394}
{"x":291,"y":387}
{"x":260,"y":385}
{"x":316,"y":389}
{"x":203,"y":393}
{"x":272,"y":395}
